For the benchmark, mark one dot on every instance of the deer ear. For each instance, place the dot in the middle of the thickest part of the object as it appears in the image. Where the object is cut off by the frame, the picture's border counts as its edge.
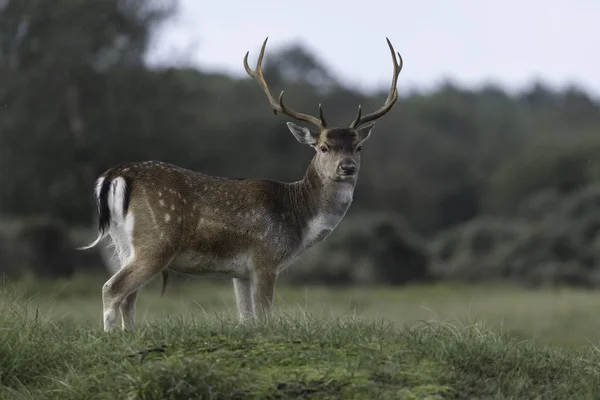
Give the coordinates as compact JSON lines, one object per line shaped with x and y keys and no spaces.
{"x":365,"y":131}
{"x":302,"y":134}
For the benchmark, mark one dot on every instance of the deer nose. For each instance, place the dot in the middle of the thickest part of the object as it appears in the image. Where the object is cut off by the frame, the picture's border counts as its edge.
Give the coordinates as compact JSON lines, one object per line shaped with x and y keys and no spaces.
{"x":348,"y":168}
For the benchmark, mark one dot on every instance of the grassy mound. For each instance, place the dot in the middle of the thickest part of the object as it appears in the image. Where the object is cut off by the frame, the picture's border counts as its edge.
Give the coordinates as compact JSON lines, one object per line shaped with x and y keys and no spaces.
{"x":216,"y":358}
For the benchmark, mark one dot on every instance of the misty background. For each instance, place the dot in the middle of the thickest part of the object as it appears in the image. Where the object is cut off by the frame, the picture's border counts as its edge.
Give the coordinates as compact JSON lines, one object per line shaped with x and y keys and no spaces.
{"x":486,"y":169}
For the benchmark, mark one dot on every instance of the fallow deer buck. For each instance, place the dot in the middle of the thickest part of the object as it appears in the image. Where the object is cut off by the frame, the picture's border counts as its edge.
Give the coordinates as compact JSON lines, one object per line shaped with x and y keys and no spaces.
{"x":246,"y":229}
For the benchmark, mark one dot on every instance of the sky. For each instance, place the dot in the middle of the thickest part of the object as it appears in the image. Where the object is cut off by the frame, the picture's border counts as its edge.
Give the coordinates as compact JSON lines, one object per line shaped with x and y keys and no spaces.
{"x":510,"y":43}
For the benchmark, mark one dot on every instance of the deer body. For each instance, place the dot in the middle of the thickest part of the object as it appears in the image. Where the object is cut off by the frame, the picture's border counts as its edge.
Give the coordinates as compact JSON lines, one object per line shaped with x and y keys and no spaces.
{"x":161,"y":216}
{"x":219,"y":225}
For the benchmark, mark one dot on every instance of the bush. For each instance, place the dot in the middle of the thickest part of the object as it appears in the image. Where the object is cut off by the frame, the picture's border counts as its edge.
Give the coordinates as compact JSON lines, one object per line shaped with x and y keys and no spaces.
{"x":556,"y":241}
{"x":562,"y":166}
{"x":13,"y":253}
{"x":11,"y":258}
{"x":50,"y":251}
{"x":473,"y":251}
{"x":368,"y":248}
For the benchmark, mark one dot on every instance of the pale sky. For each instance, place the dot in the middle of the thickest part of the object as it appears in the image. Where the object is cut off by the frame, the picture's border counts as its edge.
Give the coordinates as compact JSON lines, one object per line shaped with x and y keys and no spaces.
{"x":472,"y":42}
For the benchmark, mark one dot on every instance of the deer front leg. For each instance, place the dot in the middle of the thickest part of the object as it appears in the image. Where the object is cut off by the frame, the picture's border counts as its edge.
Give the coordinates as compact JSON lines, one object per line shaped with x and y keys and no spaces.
{"x":243,"y":298}
{"x":263,"y":290}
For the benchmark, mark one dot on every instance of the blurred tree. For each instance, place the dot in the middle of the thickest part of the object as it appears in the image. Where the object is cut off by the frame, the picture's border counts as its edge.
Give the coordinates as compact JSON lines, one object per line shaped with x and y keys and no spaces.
{"x":76,"y":97}
{"x":294,"y":64}
{"x":75,"y":93}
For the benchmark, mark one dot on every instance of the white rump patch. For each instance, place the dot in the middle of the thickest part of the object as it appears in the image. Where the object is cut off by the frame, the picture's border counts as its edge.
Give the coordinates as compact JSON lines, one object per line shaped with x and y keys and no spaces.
{"x":122,"y":236}
{"x":116,"y":195}
{"x":121,"y":227}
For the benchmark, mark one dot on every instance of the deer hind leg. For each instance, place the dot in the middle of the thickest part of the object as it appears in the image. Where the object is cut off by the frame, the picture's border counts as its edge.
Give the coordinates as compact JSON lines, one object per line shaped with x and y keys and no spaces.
{"x":128,"y":311}
{"x":243,"y":298}
{"x":138,"y":266}
{"x":121,"y":238}
{"x":120,"y":291}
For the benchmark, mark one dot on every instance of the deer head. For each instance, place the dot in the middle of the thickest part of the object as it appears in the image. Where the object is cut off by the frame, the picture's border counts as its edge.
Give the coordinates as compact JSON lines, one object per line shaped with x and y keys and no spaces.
{"x":337,"y":149}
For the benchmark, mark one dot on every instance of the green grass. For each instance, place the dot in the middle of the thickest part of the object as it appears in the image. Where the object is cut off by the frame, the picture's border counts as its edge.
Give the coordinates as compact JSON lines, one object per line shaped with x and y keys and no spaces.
{"x":428,"y":342}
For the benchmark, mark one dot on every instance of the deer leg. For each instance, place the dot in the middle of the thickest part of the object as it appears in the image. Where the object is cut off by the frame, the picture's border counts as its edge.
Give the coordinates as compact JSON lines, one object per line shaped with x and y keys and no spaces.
{"x":128,"y":311}
{"x":125,"y":282}
{"x":263,"y":290}
{"x":243,"y":298}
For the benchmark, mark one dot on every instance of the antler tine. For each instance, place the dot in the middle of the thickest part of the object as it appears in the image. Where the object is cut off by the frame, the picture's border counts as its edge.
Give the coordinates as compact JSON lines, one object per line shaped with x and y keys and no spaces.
{"x":257,"y":75}
{"x":354,"y":123}
{"x":321,"y":116}
{"x":392,"y":95}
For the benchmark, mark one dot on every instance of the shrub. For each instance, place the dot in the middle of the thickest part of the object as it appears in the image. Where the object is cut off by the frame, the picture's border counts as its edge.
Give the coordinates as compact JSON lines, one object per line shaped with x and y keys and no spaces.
{"x":367,"y":248}
{"x":564,"y":166}
{"x":49,"y":249}
{"x":556,"y":241}
{"x":473,"y":251}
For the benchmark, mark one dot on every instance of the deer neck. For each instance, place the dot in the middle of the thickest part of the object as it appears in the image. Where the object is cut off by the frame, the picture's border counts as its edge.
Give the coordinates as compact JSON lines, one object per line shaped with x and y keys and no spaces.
{"x":319,"y":202}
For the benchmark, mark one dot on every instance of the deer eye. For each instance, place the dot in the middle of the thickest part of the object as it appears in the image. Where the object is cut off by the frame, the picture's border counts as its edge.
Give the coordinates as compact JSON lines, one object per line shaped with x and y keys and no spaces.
{"x":358,"y":149}
{"x":324,"y":149}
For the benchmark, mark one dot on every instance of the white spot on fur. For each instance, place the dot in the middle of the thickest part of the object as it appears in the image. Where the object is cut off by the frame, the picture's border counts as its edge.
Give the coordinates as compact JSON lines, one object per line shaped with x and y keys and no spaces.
{"x":150,"y":210}
{"x":161,"y":202}
{"x":167,"y":217}
{"x":172,"y":207}
{"x":159,"y":194}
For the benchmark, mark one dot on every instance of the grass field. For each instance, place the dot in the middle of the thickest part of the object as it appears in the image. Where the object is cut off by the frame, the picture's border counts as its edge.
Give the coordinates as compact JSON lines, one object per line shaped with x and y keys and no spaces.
{"x":438,"y":341}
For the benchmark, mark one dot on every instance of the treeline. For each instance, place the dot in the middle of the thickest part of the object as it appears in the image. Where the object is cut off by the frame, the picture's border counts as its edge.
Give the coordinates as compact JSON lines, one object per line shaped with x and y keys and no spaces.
{"x":77,"y":97}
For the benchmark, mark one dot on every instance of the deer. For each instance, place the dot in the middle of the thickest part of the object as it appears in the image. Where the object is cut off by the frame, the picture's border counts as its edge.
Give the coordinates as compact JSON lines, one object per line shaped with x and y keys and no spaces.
{"x":161,"y":217}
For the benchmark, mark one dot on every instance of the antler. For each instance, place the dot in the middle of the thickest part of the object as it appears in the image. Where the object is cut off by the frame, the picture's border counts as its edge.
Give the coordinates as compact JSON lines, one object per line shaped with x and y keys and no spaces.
{"x":392,"y":96}
{"x":257,"y":75}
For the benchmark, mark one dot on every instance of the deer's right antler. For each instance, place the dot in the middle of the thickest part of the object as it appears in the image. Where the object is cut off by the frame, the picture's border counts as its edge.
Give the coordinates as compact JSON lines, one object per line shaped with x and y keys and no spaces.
{"x":392,"y":96}
{"x":257,"y":75}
